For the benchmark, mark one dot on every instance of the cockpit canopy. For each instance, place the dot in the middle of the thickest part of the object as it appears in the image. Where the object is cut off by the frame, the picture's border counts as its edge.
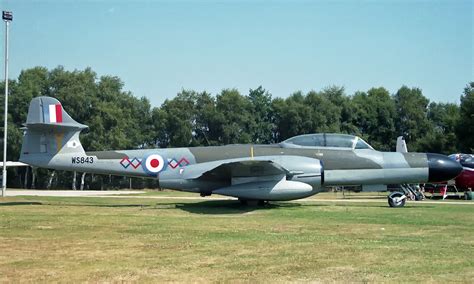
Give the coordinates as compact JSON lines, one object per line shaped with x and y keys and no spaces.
{"x":326,"y":140}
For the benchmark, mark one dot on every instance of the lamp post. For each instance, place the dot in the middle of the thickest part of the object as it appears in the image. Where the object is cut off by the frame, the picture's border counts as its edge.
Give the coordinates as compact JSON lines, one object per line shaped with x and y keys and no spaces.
{"x":7,"y":18}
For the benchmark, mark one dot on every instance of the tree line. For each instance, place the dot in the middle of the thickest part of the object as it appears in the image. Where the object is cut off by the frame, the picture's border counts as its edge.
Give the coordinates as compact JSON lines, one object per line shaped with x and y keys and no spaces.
{"x":119,"y":120}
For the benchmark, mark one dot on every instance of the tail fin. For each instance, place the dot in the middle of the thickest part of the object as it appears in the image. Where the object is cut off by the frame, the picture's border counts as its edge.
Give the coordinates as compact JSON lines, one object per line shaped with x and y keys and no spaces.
{"x":401,"y":145}
{"x":49,"y":131}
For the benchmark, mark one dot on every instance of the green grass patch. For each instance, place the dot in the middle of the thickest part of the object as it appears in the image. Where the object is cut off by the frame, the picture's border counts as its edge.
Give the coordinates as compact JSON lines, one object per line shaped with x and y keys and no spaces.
{"x":151,"y":240}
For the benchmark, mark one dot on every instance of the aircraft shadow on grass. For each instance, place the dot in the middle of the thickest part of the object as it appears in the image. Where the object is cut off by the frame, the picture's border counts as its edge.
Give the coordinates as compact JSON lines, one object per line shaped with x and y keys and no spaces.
{"x":234,"y":207}
{"x":211,"y":207}
{"x":20,"y":203}
{"x":203,"y":207}
{"x":219,"y":207}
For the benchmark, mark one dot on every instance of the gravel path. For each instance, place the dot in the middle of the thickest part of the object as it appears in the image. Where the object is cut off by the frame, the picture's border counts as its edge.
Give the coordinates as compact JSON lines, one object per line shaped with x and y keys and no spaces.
{"x":71,"y":193}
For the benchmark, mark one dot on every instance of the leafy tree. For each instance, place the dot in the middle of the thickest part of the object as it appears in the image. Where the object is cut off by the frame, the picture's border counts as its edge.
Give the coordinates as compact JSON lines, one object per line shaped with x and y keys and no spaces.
{"x":179,"y":118}
{"x":374,"y":116}
{"x":326,"y":110}
{"x":159,"y":134}
{"x":206,"y":126}
{"x":465,"y":127}
{"x":261,"y":101}
{"x":31,"y":83}
{"x":234,"y":117}
{"x":292,"y":116}
{"x":412,"y":119}
{"x":441,"y":138}
{"x":341,"y":108}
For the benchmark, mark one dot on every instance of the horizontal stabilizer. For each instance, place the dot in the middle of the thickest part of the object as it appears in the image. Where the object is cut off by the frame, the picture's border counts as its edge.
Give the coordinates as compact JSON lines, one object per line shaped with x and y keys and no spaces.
{"x":14,"y":164}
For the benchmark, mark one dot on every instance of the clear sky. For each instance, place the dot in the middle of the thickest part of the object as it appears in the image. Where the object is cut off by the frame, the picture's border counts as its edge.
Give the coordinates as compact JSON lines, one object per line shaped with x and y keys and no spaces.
{"x":160,"y":47}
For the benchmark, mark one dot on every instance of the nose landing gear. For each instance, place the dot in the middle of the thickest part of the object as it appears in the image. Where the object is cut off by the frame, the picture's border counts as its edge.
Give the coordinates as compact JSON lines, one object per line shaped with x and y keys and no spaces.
{"x":407,"y":191}
{"x":397,"y":199}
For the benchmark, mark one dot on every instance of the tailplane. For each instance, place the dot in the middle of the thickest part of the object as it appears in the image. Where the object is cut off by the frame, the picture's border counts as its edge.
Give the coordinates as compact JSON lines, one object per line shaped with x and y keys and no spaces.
{"x":49,"y":131}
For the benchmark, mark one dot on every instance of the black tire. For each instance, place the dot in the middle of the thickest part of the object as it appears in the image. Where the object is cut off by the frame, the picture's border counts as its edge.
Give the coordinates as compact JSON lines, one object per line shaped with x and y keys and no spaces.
{"x":468,"y":195}
{"x":418,"y":196}
{"x":393,"y":200}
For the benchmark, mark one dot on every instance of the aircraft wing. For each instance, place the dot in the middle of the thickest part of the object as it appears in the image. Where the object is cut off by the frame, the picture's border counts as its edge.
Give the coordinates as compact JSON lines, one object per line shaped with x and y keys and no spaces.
{"x":244,"y":169}
{"x":234,"y":168}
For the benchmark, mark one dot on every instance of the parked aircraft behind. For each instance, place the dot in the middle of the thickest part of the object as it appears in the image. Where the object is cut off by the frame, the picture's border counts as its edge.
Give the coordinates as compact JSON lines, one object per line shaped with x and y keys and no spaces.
{"x":295,"y":168}
{"x":465,"y":180}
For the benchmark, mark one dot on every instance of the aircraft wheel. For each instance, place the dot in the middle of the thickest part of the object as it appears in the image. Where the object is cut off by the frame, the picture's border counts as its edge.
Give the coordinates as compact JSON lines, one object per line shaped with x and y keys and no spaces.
{"x":468,"y":195}
{"x":261,"y":203}
{"x":243,"y":202}
{"x":418,"y":196}
{"x":397,"y":199}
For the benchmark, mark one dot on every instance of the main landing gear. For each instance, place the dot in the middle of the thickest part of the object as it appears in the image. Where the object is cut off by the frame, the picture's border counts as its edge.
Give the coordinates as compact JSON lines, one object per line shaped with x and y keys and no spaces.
{"x":247,"y":202}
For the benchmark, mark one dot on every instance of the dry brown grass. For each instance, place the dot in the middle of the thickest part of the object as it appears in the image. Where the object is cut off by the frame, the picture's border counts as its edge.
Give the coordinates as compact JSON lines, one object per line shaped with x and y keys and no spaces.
{"x":145,"y":240}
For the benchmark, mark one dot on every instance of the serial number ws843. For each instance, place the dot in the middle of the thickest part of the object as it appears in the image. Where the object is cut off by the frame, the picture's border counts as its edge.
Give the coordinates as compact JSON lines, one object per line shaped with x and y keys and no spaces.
{"x":82,"y":160}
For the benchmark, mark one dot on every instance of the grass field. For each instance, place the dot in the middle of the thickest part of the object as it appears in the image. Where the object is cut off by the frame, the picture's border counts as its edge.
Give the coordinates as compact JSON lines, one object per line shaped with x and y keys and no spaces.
{"x":44,"y":239}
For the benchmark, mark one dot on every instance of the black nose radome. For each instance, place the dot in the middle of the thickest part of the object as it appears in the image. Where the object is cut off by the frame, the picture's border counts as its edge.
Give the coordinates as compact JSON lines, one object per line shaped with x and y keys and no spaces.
{"x":442,"y":168}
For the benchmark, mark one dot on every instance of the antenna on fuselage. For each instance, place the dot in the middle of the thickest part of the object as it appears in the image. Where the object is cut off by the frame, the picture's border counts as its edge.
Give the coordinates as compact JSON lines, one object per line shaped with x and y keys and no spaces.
{"x":401,"y":145}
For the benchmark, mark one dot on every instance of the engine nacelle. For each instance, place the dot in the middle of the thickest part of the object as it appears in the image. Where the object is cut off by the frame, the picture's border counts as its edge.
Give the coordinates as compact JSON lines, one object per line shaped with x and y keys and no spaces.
{"x":269,"y":190}
{"x":303,"y":169}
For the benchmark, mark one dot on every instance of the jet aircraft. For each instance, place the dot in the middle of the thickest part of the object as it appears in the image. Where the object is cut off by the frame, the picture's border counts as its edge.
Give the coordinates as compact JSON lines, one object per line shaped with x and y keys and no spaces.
{"x":295,"y":168}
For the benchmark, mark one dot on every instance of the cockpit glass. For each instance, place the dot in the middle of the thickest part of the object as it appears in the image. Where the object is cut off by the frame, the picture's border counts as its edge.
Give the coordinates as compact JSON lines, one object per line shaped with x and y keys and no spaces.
{"x":361,"y":144}
{"x":304,"y":140}
{"x":468,"y":160}
{"x":342,"y":141}
{"x":319,"y":140}
{"x":328,"y":140}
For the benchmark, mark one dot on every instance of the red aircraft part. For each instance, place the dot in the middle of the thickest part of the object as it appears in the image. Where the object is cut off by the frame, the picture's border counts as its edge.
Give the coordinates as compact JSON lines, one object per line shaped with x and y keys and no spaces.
{"x":465,"y":179}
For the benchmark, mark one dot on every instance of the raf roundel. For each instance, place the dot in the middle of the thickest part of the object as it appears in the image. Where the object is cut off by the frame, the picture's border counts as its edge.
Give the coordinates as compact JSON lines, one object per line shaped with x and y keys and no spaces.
{"x":153,"y":164}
